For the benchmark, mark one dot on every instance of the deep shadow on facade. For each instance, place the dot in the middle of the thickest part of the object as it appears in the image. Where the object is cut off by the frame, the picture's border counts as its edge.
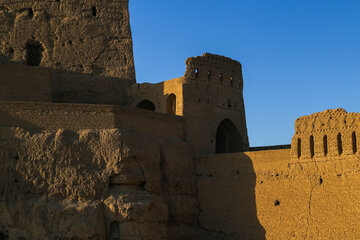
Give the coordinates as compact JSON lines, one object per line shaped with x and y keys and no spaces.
{"x":88,"y":153}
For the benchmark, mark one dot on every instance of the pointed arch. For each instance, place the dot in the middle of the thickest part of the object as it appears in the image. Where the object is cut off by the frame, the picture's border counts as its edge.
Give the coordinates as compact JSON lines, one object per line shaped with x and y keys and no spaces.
{"x":171,"y":104}
{"x":146,"y":105}
{"x":228,"y":138}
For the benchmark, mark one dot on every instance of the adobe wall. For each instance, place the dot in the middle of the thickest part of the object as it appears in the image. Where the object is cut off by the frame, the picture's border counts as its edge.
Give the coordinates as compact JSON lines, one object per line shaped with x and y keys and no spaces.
{"x":273,"y":194}
{"x":95,"y":172}
{"x":37,"y":84}
{"x":213,"y":92}
{"x":86,"y":36}
{"x":95,"y":184}
{"x":332,"y":133}
{"x":54,"y":116}
{"x":24,"y":83}
{"x":210,"y":91}
{"x":158,"y":94}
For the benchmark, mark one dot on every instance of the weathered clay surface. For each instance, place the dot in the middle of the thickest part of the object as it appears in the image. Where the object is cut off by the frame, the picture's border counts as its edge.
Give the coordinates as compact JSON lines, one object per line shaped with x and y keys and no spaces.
{"x":210,"y":92}
{"x":307,"y":192}
{"x":331,"y":133}
{"x":93,"y":184}
{"x":84,"y":36}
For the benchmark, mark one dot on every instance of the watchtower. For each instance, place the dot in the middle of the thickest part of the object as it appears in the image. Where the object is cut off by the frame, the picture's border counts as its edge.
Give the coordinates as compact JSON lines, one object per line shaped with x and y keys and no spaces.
{"x":210,"y":98}
{"x":213,"y":104}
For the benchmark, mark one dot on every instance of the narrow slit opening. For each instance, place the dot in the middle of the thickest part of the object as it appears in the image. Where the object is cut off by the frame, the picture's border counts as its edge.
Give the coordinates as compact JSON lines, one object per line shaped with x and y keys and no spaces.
{"x":339,"y":143}
{"x":312,"y":152}
{"x":354,"y":143}
{"x":325,"y":145}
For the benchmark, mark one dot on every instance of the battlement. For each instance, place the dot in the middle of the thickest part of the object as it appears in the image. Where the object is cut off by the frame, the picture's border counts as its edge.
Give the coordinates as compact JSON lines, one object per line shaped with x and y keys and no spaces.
{"x":332,"y":133}
{"x":214,"y":69}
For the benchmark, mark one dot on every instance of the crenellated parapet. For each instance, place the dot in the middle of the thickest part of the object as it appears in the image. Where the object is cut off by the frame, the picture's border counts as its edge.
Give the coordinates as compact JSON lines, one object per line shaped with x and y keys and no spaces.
{"x":214,"y":69}
{"x":332,"y":133}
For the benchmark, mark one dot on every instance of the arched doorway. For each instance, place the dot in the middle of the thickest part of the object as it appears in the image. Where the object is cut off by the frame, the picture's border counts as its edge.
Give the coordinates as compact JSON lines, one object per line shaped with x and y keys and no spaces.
{"x":228,"y":138}
{"x":146,"y":104}
{"x":171,"y":104}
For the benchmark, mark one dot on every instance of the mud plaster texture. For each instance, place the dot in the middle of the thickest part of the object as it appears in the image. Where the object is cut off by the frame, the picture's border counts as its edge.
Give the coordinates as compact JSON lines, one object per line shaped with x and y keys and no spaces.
{"x":151,"y":161}
{"x":210,"y":91}
{"x":85,"y":36}
{"x":93,"y":184}
{"x":275,"y":194}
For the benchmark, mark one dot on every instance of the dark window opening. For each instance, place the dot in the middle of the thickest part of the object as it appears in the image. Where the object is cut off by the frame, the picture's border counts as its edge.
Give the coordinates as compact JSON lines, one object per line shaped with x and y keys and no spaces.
{"x":146,"y":105}
{"x":339,"y":143}
{"x":31,"y":13}
{"x":34,"y":53}
{"x":196,"y":73}
{"x":114,"y":231}
{"x":94,"y":11}
{"x":299,"y":147}
{"x":229,"y":104}
{"x":354,"y":143}
{"x":228,"y":138}
{"x":312,"y":152}
{"x":171,"y":104}
{"x":325,"y":142}
{"x":209,"y":75}
{"x":231,"y":81}
{"x":221,"y":77}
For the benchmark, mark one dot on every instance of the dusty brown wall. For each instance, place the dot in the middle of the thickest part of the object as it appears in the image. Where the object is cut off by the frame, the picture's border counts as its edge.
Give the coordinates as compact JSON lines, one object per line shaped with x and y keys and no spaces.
{"x":95,"y":184}
{"x":266,"y":195}
{"x":328,"y":133}
{"x":37,"y":84}
{"x":87,"y":88}
{"x":24,"y":83}
{"x":158,"y":94}
{"x":72,"y":38}
{"x":95,"y":172}
{"x":82,"y":116}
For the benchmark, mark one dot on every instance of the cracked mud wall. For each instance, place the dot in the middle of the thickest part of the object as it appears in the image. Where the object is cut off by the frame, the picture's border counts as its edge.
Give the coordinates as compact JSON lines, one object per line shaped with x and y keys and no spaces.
{"x":94,"y":184}
{"x":86,"y":36}
{"x":310,"y":191}
{"x":263,"y":195}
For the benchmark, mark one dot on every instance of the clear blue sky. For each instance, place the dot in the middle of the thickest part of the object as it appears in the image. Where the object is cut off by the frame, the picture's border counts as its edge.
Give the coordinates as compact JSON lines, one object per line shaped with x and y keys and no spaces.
{"x":298,"y":56}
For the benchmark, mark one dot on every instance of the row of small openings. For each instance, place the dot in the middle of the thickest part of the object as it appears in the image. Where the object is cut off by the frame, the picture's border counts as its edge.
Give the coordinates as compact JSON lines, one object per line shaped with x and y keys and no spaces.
{"x":325,"y":145}
{"x":221,"y":77}
{"x":228,"y":104}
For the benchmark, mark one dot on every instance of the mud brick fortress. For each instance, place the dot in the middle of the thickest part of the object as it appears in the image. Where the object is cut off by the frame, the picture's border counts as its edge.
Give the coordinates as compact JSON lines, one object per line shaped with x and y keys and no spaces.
{"x":86,"y":153}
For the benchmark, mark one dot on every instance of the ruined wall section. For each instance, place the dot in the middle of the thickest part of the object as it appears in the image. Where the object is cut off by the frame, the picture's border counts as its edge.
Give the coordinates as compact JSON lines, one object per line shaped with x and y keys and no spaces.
{"x":326,"y":135}
{"x":94,"y":184}
{"x":85,"y":36}
{"x":95,"y":172}
{"x":213,"y":91}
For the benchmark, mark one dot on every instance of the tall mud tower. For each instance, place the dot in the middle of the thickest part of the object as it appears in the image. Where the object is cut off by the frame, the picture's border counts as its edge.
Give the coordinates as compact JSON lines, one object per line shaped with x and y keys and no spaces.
{"x":83,"y":36}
